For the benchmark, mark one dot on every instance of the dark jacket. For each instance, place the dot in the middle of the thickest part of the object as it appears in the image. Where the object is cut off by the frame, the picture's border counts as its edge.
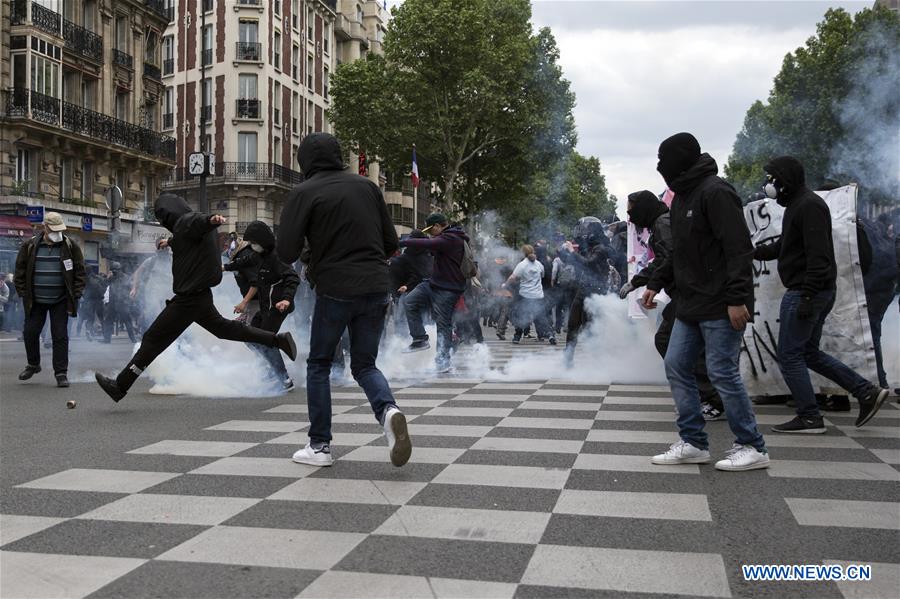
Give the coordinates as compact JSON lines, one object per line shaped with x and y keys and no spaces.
{"x":196,"y":260}
{"x":592,"y":266}
{"x":95,"y":287}
{"x":447,"y":249}
{"x":711,"y":264}
{"x":70,"y":253}
{"x":275,"y":281}
{"x":345,"y":220}
{"x":877,"y":257}
{"x":805,"y":250}
{"x":649,"y":212}
{"x":410,"y":268}
{"x":244,"y":264}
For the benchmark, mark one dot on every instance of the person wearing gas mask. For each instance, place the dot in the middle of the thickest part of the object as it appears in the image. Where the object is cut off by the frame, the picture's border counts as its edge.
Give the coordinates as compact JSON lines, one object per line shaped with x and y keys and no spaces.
{"x":646,"y":211}
{"x":591,"y":261}
{"x":710,"y":270}
{"x":196,"y":268}
{"x":806,"y":266}
{"x":274,"y":285}
{"x":50,"y":280}
{"x":245,"y":262}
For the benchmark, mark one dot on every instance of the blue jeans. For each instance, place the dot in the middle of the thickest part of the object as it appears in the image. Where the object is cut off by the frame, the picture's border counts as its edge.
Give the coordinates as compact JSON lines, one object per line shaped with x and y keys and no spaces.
{"x":723,"y":348}
{"x":364,"y":317}
{"x":878,"y":304}
{"x":798,"y":353}
{"x":442,"y":303}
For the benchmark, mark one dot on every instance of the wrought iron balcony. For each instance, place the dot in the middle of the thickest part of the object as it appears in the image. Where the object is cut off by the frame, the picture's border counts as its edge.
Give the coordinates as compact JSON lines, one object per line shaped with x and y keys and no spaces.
{"x":168,"y":66}
{"x":18,"y":12}
{"x":25,"y":103}
{"x":251,"y":51}
{"x":248,"y":108}
{"x":123,"y":59}
{"x":45,"y":19}
{"x":253,"y":172}
{"x":82,"y":41}
{"x":151,"y":71}
{"x":250,"y":2}
{"x":168,"y":120}
{"x":206,"y":113}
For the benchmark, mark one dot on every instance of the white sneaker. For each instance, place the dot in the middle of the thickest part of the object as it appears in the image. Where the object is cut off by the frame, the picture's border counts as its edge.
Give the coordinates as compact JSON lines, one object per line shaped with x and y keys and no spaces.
{"x":682,"y":452}
{"x":314,"y":457}
{"x":399,"y":443}
{"x":743,"y":457}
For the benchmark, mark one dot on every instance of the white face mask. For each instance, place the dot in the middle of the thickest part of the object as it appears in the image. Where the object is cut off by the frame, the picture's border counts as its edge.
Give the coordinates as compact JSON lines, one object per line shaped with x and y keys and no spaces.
{"x":56,"y":236}
{"x":257,"y":248}
{"x":771,"y":191}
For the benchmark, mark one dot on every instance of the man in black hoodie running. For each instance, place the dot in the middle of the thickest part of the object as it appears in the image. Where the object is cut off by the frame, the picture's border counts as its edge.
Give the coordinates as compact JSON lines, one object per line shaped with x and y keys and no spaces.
{"x":806,"y":265}
{"x":196,"y":268}
{"x":710,"y":273}
{"x":343,"y":218}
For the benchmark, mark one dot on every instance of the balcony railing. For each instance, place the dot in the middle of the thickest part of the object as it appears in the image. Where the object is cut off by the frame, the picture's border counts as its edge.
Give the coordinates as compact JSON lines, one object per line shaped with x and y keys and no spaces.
{"x":248,"y":108}
{"x":123,"y":59}
{"x":157,"y":7}
{"x":18,"y":12}
{"x":151,"y":71}
{"x":82,"y":41}
{"x":21,"y":102}
{"x":251,"y":51}
{"x":251,"y":3}
{"x":168,"y":66}
{"x":206,"y":113}
{"x":45,"y":19}
{"x":168,"y":120}
{"x":255,"y":172}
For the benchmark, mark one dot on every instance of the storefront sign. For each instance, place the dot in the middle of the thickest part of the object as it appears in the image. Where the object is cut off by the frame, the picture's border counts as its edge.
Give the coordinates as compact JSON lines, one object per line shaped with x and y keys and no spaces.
{"x":87,"y":223}
{"x":35,"y":214}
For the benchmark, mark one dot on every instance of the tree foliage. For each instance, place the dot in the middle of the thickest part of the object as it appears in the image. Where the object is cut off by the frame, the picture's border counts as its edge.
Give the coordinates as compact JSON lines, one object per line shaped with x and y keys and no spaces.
{"x":834,"y":105}
{"x":480,"y":95}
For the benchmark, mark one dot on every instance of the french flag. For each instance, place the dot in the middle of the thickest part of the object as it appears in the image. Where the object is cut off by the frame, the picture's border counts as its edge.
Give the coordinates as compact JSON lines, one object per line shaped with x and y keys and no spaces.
{"x":415,"y":170}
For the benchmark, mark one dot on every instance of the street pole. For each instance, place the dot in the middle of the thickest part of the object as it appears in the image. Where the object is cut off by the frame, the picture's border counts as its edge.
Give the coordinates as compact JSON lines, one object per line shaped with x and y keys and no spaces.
{"x":204,"y":202}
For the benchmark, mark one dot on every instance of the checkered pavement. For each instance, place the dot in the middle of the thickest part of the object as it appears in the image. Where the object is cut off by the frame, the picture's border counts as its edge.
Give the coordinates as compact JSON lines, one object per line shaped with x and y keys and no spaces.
{"x":524,"y":489}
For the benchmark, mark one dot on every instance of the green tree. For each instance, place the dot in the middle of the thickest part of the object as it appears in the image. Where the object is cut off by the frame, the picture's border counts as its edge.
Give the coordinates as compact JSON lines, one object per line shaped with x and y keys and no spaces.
{"x":834,"y":105}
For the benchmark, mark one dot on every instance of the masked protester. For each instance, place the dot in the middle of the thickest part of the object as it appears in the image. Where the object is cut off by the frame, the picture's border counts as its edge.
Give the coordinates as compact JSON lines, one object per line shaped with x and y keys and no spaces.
{"x":807,"y":268}
{"x":196,"y":268}
{"x":646,"y":211}
{"x":245,"y":264}
{"x":591,"y":262}
{"x":343,"y":219}
{"x":709,"y":272}
{"x":91,"y":309}
{"x":274,"y":286}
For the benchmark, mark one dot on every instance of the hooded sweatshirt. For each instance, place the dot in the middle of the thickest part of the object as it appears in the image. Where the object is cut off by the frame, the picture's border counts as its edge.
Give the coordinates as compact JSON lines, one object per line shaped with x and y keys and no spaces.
{"x":648,"y":212}
{"x":244,"y":264}
{"x":275,"y":281}
{"x":448,"y":249}
{"x":805,"y":250}
{"x":196,"y":261}
{"x":345,"y":220}
{"x":711,"y":265}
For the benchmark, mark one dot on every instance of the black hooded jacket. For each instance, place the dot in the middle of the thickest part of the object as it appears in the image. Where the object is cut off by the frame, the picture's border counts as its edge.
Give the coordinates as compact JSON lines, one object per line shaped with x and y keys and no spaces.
{"x":649,"y":212}
{"x":196,"y":262}
{"x":275,"y":281}
{"x":411,"y":267}
{"x":805,"y":250}
{"x":244,"y":265}
{"x":345,"y":220}
{"x":711,"y":265}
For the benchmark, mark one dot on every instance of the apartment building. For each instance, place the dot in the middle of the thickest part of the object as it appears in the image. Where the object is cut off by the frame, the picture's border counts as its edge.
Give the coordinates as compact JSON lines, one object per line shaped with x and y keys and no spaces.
{"x":80,"y":113}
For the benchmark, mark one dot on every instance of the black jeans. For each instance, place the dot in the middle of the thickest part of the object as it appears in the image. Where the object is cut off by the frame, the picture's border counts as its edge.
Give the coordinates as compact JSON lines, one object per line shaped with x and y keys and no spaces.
{"x":364,"y":317}
{"x":89,"y":312}
{"x":270,"y":320}
{"x":59,"y":332}
{"x":180,"y":312}
{"x":120,"y":311}
{"x":878,"y":304}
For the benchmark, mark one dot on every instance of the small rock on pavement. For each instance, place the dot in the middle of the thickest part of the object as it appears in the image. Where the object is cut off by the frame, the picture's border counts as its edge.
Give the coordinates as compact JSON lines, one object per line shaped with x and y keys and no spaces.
{"x":70,"y":404}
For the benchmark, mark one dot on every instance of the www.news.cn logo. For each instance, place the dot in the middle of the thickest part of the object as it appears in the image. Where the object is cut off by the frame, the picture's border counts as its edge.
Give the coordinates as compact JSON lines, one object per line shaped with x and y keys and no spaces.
{"x":807,"y":572}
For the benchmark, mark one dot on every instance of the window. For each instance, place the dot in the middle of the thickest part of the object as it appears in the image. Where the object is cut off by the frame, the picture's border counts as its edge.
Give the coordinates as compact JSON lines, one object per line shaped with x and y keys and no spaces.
{"x":326,"y":45}
{"x":295,"y":14}
{"x":310,"y":34}
{"x":276,"y":50}
{"x":247,"y":152}
{"x":248,"y":30}
{"x":310,"y":116}
{"x":276,"y":6}
{"x":276,"y":104}
{"x":149,"y":194}
{"x":122,"y":34}
{"x":169,"y":108}
{"x":276,"y":150}
{"x":247,"y":86}
{"x":247,"y":103}
{"x":309,"y":71}
{"x":168,"y":55}
{"x":88,"y":93}
{"x":70,"y":87}
{"x":44,"y":76}
{"x":325,"y":82}
{"x":65,"y":178}
{"x":87,"y":181}
{"x":20,"y":73}
{"x":359,"y":13}
{"x":208,"y":5}
{"x":295,"y":113}
{"x":207,"y":56}
{"x":150,"y":55}
{"x":248,"y":47}
{"x":122,"y":183}
{"x":295,"y":63}
{"x":206,"y":100}
{"x":88,"y":14}
{"x":122,"y":106}
{"x":23,"y":165}
{"x":169,"y":6}
{"x":206,"y":143}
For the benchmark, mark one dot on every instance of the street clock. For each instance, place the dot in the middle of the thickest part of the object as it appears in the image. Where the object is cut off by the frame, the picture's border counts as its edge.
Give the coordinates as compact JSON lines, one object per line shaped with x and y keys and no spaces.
{"x":200,"y":163}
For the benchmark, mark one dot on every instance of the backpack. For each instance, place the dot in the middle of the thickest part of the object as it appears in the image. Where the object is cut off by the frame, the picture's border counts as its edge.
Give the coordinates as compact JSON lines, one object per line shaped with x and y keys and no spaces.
{"x":467,"y":265}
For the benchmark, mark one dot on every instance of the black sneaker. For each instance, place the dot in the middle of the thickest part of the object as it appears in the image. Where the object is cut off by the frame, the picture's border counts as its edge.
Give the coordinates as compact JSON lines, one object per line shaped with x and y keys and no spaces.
{"x":420,"y":345}
{"x":29,"y":372}
{"x":516,"y":339}
{"x":770,"y":400}
{"x":552,"y":340}
{"x":62,"y":380}
{"x":834,"y":403}
{"x":110,"y":386}
{"x":501,"y":336}
{"x":870,"y":406}
{"x":285,"y":342}
{"x":806,"y":425}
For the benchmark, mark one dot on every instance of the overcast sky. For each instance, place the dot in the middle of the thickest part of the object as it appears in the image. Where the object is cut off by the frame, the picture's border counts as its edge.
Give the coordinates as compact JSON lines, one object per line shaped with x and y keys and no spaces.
{"x":642,"y":71}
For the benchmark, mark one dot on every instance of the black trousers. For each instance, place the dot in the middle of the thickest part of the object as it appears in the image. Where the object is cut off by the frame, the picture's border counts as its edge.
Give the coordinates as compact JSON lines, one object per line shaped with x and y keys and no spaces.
{"x":117,"y":311}
{"x":270,"y":320}
{"x":59,"y":332}
{"x":708,"y":392}
{"x":180,"y":312}
{"x":88,"y":313}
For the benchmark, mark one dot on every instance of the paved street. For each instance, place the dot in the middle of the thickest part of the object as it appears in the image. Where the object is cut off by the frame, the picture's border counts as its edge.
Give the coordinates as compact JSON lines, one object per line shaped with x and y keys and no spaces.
{"x":527,"y":489}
